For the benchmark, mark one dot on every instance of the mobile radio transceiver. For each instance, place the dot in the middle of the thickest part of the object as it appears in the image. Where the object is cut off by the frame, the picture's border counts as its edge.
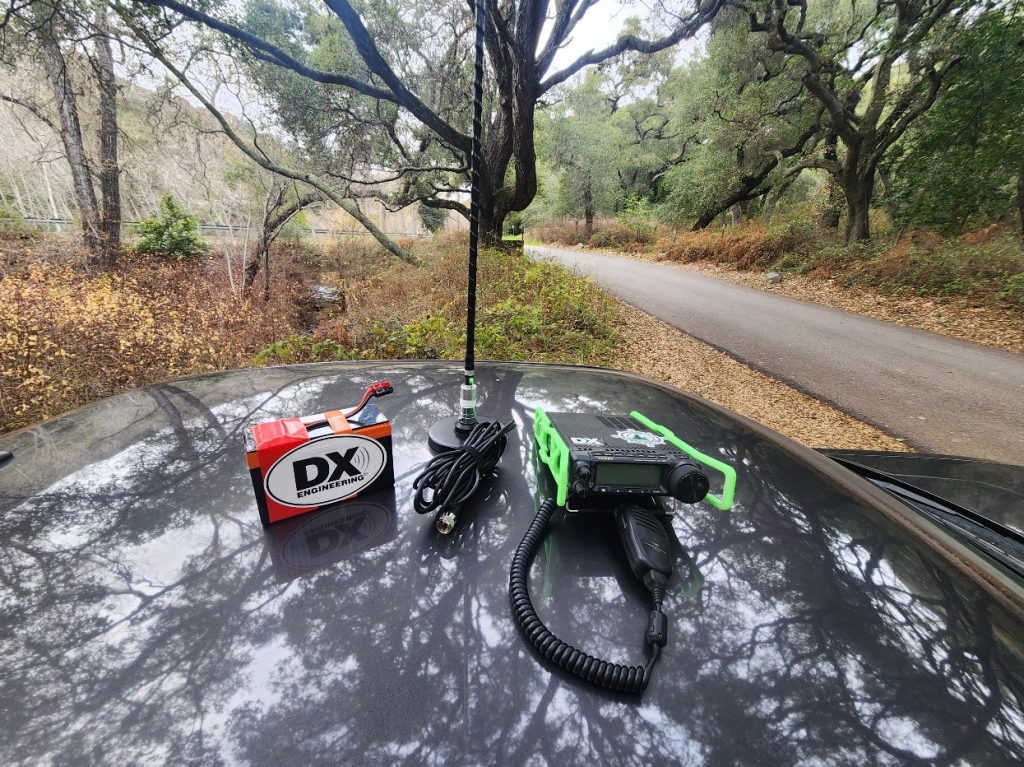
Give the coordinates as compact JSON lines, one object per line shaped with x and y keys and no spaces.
{"x":619,"y":465}
{"x":597,"y":460}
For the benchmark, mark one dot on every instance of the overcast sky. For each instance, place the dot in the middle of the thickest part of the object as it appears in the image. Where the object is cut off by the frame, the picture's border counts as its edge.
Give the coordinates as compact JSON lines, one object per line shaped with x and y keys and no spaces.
{"x":601,"y":27}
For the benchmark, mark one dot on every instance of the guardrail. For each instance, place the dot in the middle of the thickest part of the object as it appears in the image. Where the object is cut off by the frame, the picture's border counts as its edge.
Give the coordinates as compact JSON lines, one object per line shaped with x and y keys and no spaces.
{"x":217,"y":230}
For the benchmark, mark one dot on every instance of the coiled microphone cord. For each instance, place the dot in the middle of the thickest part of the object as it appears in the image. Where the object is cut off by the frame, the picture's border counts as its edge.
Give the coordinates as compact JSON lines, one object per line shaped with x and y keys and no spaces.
{"x":629,"y":679}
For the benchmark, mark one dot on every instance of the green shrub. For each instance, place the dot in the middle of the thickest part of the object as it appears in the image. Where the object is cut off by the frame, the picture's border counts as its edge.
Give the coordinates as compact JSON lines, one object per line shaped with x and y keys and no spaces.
{"x":1012,"y":291}
{"x":432,"y":337}
{"x":298,"y":348}
{"x":526,"y":311}
{"x":514,"y":224}
{"x":13,"y":225}
{"x":295,"y":228}
{"x":638,"y":218}
{"x":171,"y":233}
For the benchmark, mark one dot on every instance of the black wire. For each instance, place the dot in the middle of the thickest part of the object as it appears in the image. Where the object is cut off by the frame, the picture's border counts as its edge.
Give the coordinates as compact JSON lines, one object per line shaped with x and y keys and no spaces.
{"x":631,"y":679}
{"x":451,"y":478}
{"x":474,"y":183}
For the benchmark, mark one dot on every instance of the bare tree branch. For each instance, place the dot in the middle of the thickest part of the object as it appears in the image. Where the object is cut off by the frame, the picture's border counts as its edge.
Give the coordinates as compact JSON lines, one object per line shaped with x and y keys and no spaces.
{"x":688,"y":27}
{"x":35,"y":109}
{"x":264,"y":161}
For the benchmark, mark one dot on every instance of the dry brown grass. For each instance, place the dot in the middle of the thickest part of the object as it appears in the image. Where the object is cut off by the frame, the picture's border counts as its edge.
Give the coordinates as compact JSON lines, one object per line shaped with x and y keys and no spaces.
{"x":746,"y":247}
{"x":67,"y":337}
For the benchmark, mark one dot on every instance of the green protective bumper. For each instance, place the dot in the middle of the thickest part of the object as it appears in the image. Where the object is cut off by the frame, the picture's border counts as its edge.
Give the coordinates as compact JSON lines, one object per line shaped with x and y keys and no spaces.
{"x":555,"y":454}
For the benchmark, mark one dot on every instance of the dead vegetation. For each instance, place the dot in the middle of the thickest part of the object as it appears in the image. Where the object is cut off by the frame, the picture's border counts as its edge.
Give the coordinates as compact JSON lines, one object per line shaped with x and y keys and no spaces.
{"x":68,"y":337}
{"x":969,"y":287}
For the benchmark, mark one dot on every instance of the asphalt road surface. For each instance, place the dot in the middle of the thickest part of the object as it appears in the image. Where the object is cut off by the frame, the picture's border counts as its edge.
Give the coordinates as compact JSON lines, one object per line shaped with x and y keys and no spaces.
{"x":937,"y":393}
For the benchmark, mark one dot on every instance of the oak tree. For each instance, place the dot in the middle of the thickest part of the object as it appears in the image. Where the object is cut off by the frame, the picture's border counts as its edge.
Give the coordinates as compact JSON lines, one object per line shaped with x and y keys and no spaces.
{"x":405,"y":64}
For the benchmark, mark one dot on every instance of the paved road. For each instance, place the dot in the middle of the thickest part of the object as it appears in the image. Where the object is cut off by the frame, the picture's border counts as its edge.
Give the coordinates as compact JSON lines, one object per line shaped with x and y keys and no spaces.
{"x":939,"y":394}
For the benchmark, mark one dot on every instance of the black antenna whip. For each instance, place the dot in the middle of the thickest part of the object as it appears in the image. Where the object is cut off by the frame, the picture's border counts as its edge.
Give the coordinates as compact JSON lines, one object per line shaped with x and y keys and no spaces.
{"x":450,"y":433}
{"x":468,"y":417}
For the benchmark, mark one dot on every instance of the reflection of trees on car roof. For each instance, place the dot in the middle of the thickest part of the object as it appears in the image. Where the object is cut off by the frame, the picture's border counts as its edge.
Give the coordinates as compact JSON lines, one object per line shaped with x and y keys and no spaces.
{"x":151,"y":617}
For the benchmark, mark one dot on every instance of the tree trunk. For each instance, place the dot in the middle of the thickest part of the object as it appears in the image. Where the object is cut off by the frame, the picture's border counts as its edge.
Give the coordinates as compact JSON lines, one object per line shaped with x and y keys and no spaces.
{"x":110,"y":173}
{"x":833,"y":208}
{"x":772,"y":197}
{"x":768,"y":207}
{"x":275,"y":216}
{"x":71,"y":137}
{"x":858,"y":204}
{"x":704,"y":219}
{"x":266,"y":273}
{"x":257,"y":259}
{"x":490,"y":226}
{"x":1020,"y":199}
{"x":588,"y":214}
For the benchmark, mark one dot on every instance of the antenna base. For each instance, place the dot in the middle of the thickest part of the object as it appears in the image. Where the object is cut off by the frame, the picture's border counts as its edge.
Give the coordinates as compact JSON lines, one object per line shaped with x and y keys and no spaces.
{"x":449,"y":433}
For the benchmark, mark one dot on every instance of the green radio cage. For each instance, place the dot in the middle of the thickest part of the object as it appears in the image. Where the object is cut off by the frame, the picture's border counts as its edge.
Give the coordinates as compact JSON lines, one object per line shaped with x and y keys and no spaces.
{"x":555,"y":454}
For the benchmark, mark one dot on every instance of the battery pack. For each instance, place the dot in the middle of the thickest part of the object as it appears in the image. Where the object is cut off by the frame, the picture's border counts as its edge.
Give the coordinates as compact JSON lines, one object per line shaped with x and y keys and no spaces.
{"x":298,"y":465}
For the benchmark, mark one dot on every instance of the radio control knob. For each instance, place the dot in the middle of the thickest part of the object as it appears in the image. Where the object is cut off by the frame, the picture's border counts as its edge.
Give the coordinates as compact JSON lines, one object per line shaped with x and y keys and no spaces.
{"x":688,"y":483}
{"x":583,"y":473}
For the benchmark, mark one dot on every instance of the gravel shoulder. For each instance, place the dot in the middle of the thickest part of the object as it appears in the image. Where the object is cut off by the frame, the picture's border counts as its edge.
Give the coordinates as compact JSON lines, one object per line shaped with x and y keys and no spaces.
{"x":658,"y":350}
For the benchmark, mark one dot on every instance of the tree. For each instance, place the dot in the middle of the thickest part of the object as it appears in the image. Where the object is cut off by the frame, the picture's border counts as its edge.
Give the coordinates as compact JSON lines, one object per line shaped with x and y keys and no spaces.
{"x":421,"y":92}
{"x":170,"y":233}
{"x":744,"y":114}
{"x":109,"y":171}
{"x":243,"y":133}
{"x":964,"y":161}
{"x":875,"y":69}
{"x":282,"y":202}
{"x":583,"y":145}
{"x":51,"y":32}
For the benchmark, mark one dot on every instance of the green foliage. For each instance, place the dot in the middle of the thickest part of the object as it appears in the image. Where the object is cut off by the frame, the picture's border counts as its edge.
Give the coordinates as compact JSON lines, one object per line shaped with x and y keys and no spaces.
{"x":1012,"y":291}
{"x":527,"y":311}
{"x":550,"y":315}
{"x":171,"y":233}
{"x":300,"y":347}
{"x":13,"y":225}
{"x":581,"y":144}
{"x":432,"y":218}
{"x":957,"y":169}
{"x":735,"y":107}
{"x":638,"y":217}
{"x":294,"y":229}
{"x":431,"y":337}
{"x":334,"y":130}
{"x":514,"y":225}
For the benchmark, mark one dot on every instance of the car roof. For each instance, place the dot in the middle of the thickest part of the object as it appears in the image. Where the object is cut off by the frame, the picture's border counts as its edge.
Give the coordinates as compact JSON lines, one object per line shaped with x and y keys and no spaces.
{"x":147,"y":616}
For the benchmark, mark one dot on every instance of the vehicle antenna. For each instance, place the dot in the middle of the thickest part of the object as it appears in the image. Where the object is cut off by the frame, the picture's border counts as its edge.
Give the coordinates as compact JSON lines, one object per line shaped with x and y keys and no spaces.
{"x":449,"y":433}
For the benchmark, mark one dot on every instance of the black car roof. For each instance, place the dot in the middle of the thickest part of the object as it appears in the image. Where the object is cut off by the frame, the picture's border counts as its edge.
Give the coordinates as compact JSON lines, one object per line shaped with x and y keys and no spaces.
{"x":147,"y":617}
